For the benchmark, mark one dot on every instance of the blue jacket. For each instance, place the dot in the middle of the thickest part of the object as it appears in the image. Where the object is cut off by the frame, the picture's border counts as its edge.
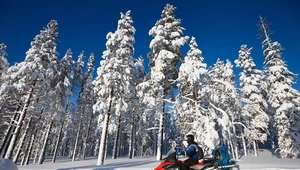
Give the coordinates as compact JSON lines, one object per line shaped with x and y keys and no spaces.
{"x":193,"y":151}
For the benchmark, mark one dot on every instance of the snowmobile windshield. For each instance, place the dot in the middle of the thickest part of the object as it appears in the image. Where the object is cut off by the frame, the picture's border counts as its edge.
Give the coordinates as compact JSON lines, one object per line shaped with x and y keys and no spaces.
{"x":170,"y":157}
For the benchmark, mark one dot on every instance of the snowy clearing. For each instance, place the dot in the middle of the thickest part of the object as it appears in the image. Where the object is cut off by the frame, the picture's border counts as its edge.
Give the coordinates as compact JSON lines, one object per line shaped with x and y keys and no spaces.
{"x":265,"y":161}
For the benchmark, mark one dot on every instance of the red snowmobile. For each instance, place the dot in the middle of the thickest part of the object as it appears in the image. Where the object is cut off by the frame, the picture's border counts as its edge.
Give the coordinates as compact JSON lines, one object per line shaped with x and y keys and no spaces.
{"x":219,"y":161}
{"x":172,"y":163}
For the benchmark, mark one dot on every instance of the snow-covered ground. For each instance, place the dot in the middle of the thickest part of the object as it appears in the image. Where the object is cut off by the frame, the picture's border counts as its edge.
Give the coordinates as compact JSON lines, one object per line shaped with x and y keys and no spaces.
{"x":7,"y":164}
{"x":265,"y":161}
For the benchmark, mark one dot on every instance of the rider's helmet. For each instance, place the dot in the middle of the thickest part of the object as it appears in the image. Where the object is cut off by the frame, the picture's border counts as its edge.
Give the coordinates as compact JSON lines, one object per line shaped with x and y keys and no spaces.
{"x":189,"y":138}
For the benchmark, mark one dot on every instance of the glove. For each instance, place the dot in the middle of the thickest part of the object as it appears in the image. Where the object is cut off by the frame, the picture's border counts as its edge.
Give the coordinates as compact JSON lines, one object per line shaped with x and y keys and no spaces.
{"x":179,"y":153}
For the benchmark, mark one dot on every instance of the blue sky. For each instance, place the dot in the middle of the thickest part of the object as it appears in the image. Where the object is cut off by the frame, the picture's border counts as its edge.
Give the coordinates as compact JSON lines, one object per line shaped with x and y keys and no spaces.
{"x":219,"y":26}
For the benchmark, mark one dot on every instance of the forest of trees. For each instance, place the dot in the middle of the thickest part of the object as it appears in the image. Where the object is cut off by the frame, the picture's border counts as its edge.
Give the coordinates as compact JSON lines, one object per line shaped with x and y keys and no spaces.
{"x":53,"y":107}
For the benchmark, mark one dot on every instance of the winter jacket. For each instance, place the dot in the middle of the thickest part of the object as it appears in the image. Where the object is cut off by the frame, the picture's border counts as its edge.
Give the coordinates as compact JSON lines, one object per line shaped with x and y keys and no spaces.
{"x":193,"y":151}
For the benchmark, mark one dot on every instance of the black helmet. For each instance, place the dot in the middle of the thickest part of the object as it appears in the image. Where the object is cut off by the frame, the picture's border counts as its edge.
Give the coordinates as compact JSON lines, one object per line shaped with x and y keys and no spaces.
{"x":189,"y":138}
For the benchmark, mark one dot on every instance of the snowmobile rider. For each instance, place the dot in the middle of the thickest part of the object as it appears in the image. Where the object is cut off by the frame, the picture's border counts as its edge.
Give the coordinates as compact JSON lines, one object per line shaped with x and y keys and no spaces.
{"x":193,"y":151}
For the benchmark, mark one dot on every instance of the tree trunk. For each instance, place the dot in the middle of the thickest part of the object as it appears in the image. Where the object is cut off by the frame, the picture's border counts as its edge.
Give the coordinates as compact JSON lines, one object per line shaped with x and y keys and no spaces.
{"x":160,"y":137}
{"x":235,"y":141}
{"x":155,"y":143}
{"x":104,"y":132}
{"x":7,"y":136}
{"x":58,"y":141}
{"x":52,"y":146}
{"x":86,"y":137}
{"x":35,"y":156}
{"x":121,"y":145}
{"x":142,"y":150}
{"x":131,"y":144}
{"x":6,"y":141}
{"x":105,"y":153}
{"x":195,"y":95}
{"x":28,"y":153}
{"x":77,"y":138}
{"x":22,"y":140}
{"x":19,"y":125}
{"x":134,"y":142}
{"x":245,"y":146}
{"x":25,"y":152}
{"x":232,"y":149}
{"x":254,"y":148}
{"x":42,"y":154}
{"x":161,"y":126}
{"x":116,"y":143}
{"x":23,"y":159}
{"x":236,"y":151}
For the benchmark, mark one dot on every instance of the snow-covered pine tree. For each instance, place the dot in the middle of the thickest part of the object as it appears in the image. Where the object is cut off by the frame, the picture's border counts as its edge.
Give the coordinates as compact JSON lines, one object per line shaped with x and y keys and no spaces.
{"x":48,"y":41}
{"x":113,"y":85}
{"x":11,"y":98}
{"x":191,"y":80}
{"x":214,"y":92}
{"x":3,"y":61}
{"x":3,"y":68}
{"x":125,"y":52}
{"x":164,"y":57}
{"x":80,"y":107}
{"x":232,"y":105}
{"x":282,"y":97}
{"x":89,"y":102}
{"x":191,"y":72}
{"x":53,"y":98}
{"x":254,"y":114}
{"x":77,"y":77}
{"x":222,"y":96}
{"x":65,"y":65}
{"x":85,"y":108}
{"x":72,"y":73}
{"x":139,"y":76}
{"x":52,"y":111}
{"x":35,"y":72}
{"x":147,"y":117}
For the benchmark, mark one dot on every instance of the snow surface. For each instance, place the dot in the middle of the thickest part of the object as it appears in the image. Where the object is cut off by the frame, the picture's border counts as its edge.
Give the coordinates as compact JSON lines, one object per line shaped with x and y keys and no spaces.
{"x":265,"y":161}
{"x":6,"y":164}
